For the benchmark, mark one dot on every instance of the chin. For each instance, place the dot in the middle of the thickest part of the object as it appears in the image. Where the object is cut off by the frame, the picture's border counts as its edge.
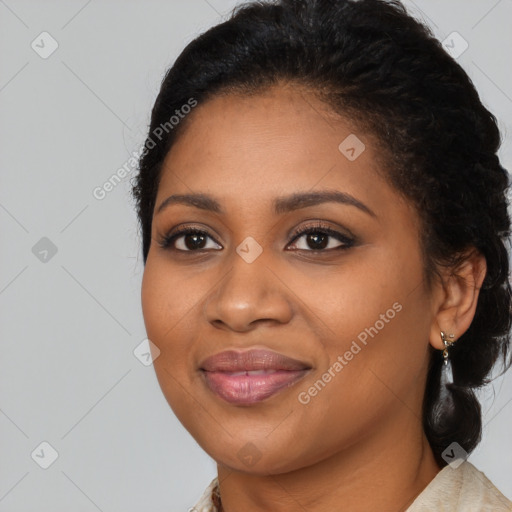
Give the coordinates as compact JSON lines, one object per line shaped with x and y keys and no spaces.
{"x":257,"y":457}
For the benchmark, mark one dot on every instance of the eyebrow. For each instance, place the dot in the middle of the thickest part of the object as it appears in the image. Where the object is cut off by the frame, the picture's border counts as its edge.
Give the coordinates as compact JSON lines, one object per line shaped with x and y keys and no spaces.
{"x":281,"y":205}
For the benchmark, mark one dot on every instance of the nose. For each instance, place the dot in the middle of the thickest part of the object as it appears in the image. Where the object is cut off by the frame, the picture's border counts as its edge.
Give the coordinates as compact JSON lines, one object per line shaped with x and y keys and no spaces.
{"x":249,"y":294}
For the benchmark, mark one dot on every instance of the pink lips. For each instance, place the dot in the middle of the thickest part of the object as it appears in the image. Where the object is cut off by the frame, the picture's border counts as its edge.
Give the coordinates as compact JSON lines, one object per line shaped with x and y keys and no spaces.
{"x":244,"y":378}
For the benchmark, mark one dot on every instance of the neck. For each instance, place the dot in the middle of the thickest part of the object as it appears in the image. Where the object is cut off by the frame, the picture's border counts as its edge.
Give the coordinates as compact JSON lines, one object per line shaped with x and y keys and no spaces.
{"x":385,"y":471}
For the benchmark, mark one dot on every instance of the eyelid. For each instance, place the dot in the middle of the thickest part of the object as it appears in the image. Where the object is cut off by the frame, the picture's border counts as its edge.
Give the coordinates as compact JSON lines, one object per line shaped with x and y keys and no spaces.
{"x":325,"y":227}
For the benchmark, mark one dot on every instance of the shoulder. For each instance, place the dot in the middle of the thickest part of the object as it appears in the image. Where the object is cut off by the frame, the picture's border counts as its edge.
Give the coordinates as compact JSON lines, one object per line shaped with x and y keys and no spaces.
{"x":205,"y":503}
{"x":461,"y":489}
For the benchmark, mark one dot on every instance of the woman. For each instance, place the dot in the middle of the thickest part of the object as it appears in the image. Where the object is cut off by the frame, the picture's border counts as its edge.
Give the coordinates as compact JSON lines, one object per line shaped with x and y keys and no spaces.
{"x":324,"y":223}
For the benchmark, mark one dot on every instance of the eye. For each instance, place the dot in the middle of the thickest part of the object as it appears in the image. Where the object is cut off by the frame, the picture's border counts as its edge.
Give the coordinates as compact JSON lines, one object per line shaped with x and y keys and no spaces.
{"x":316,"y":238}
{"x":187,"y":239}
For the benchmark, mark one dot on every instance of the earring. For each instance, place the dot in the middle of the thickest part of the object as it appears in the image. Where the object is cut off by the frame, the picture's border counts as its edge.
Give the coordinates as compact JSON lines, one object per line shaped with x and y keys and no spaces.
{"x":446,"y":373}
{"x":447,"y":344}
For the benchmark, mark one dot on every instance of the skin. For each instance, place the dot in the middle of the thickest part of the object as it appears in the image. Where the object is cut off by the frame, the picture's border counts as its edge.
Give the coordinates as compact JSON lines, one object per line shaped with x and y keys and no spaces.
{"x":363,"y":429}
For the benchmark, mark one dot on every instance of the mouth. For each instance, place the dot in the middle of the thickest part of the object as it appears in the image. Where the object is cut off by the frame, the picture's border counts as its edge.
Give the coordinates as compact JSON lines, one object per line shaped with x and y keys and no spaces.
{"x":245,"y":378}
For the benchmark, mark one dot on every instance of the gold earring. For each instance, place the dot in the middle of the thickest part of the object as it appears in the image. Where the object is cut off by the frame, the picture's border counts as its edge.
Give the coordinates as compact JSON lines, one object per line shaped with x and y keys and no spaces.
{"x":447,"y":344}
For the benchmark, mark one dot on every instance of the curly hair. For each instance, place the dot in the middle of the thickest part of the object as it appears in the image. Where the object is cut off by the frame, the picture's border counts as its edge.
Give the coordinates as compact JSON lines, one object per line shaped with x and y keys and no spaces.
{"x":382,"y":69}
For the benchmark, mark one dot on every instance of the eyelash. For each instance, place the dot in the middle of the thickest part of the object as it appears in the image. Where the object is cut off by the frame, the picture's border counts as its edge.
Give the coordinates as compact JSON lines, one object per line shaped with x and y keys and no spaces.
{"x":168,"y":240}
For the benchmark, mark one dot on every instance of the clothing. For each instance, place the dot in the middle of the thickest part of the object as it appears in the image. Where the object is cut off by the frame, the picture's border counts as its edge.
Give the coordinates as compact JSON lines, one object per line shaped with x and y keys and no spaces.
{"x":460,"y":489}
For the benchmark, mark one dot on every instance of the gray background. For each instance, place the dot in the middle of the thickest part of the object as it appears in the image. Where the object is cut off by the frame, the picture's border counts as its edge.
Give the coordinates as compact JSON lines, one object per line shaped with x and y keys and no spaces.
{"x":70,"y":321}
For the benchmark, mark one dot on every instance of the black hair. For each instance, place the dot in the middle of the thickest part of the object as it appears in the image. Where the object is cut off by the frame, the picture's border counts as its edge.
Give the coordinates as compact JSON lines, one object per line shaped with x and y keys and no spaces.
{"x":382,"y":69}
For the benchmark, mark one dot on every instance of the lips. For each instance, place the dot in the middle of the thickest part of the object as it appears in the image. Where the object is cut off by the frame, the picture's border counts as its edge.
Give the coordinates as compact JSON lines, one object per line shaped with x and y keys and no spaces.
{"x":245,"y":378}
{"x":251,"y":360}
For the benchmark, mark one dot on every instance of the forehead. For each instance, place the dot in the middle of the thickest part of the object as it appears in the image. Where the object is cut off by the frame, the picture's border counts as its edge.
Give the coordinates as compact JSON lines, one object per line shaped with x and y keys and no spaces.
{"x":250,"y":149}
{"x":284,"y":133}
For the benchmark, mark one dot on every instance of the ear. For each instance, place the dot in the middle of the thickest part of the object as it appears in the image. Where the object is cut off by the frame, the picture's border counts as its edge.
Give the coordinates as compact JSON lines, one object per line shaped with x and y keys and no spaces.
{"x":456,"y":297}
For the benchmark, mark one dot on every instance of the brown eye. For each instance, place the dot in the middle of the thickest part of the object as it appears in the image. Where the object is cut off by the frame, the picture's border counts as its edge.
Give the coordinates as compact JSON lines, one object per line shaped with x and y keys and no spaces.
{"x":187,"y":240}
{"x":322,"y":239}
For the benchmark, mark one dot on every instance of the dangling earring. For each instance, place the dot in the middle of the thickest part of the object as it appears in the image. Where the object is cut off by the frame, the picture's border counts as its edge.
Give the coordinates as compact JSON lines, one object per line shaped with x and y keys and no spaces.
{"x":447,"y":374}
{"x":447,"y":344}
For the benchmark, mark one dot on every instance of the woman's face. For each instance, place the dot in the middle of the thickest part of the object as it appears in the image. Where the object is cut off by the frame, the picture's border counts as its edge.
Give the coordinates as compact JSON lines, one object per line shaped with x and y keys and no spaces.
{"x":346,"y":302}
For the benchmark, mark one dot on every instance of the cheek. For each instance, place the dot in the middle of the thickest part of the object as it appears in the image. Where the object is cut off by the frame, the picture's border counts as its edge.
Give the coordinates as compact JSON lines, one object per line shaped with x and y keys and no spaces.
{"x":168,"y":301}
{"x":375,"y":371}
{"x":376,"y":321}
{"x":169,"y":298}
{"x":156,"y":304}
